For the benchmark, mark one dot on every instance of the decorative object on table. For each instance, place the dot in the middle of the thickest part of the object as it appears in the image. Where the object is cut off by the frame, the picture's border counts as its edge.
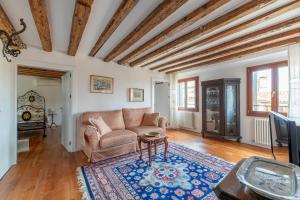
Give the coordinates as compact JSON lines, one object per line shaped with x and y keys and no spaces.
{"x":152,"y":134}
{"x":152,"y":141}
{"x":52,"y":114}
{"x":230,"y":188}
{"x":221,"y":108}
{"x":31,"y":113}
{"x":101,"y":84}
{"x":12,"y":43}
{"x":188,"y":174}
{"x":136,"y":95}
{"x":270,"y":178}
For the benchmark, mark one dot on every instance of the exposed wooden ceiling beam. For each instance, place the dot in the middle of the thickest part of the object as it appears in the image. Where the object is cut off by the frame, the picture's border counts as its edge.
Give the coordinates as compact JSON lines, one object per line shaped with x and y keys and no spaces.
{"x":123,"y":10}
{"x":29,"y":71}
{"x":213,"y":25}
{"x":256,"y":43}
{"x":165,"y":9}
{"x":25,"y":73}
{"x":5,"y":24}
{"x":80,"y":17}
{"x":181,"y":24}
{"x":225,"y":45}
{"x":242,"y":53}
{"x":255,"y":21}
{"x":39,"y":14}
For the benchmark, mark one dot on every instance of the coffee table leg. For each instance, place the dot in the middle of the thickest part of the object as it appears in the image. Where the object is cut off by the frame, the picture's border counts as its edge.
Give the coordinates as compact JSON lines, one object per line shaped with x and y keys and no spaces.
{"x":155,"y":148}
{"x":149,"y":153}
{"x":140,"y":148}
{"x":166,"y":147}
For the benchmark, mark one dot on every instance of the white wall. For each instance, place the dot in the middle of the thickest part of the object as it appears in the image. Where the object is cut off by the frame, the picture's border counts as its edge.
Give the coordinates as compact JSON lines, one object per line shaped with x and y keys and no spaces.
{"x":124,"y":78}
{"x":49,"y":88}
{"x":7,"y":119}
{"x":232,"y":69}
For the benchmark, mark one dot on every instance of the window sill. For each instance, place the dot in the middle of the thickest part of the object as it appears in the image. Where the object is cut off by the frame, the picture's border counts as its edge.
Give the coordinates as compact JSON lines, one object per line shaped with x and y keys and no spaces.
{"x":258,"y":114}
{"x":188,"y":110}
{"x":261,"y":114}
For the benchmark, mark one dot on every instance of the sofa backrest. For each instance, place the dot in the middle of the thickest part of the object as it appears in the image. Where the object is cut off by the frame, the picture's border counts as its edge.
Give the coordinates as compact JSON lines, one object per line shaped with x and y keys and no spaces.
{"x":133,"y":117}
{"x":114,"y":119}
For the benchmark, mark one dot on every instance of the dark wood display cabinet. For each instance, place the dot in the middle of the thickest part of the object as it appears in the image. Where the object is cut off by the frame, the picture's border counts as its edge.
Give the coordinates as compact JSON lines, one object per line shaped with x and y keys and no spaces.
{"x":221,"y":108}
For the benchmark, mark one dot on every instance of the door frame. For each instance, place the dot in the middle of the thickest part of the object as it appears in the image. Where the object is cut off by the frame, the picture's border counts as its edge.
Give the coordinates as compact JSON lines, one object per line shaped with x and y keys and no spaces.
{"x":153,"y":81}
{"x":74,"y":102}
{"x":164,"y":80}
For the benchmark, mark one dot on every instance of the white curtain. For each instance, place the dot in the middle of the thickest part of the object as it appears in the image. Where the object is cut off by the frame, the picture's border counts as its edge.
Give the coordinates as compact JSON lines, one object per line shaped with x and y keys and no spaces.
{"x":173,"y":101}
{"x":294,"y":68}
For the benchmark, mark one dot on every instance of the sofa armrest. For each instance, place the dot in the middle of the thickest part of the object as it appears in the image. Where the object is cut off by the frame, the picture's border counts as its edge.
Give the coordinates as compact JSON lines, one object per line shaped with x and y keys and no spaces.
{"x":92,"y":137}
{"x":162,"y":122}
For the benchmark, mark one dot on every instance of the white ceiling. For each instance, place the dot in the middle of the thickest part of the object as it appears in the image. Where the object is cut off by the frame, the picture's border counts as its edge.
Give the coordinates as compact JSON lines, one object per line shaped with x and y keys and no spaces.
{"x":60,"y":14}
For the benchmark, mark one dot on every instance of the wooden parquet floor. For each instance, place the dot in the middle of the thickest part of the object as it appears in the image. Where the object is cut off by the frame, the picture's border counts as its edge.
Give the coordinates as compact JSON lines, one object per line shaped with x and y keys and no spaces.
{"x":48,"y":171}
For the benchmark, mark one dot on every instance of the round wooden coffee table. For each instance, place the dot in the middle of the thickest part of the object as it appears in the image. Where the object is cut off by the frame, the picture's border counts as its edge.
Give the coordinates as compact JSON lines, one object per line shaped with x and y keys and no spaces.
{"x":152,"y":141}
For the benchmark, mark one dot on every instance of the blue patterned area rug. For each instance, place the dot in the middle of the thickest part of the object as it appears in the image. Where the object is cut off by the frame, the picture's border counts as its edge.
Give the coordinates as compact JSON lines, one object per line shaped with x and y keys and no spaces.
{"x":187,"y":174}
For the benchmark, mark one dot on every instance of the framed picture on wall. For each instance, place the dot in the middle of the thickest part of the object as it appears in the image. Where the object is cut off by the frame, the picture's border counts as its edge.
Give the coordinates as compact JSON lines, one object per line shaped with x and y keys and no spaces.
{"x":136,"y":95}
{"x":101,"y":84}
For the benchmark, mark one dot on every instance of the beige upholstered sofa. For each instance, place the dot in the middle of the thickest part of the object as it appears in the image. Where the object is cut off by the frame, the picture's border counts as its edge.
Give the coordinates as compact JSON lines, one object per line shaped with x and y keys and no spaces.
{"x":125,"y":125}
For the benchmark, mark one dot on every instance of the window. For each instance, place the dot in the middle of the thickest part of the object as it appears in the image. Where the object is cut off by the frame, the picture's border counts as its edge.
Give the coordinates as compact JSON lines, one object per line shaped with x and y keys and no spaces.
{"x":268,"y":89}
{"x":188,"y":90}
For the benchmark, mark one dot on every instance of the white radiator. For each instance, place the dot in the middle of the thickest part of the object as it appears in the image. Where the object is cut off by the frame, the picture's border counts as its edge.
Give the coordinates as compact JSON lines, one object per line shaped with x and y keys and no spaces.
{"x":187,"y":120}
{"x":262,"y":131}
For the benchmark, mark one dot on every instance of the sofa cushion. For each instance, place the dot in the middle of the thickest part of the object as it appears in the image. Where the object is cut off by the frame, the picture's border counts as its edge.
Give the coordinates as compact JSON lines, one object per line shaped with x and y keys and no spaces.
{"x":150,"y":119}
{"x":114,"y":119}
{"x":134,"y":117}
{"x":100,"y":124}
{"x":141,"y":130}
{"x":117,"y":138}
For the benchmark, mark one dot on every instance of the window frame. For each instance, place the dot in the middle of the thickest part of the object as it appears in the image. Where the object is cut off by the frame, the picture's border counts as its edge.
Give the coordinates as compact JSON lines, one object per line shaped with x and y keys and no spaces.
{"x":185,"y":108}
{"x":274,"y":87}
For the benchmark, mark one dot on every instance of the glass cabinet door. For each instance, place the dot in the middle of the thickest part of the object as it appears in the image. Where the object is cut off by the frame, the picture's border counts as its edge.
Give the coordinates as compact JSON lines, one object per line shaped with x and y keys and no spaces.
{"x":231,"y":109}
{"x":213,"y":109}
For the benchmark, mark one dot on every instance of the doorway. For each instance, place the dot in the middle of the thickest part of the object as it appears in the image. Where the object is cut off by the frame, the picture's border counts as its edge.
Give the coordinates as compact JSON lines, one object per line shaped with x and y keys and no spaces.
{"x":41,"y":108}
{"x":162,"y":99}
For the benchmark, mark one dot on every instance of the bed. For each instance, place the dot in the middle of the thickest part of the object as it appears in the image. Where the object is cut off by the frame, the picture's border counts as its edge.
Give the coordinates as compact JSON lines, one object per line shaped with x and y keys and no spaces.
{"x":31,"y":113}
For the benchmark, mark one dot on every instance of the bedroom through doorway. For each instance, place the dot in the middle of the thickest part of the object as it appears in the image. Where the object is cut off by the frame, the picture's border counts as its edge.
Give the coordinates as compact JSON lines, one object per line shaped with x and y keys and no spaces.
{"x":42,"y":107}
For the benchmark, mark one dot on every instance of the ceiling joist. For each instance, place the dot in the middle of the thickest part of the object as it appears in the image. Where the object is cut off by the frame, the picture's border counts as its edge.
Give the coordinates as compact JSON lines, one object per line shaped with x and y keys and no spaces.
{"x":256,"y":43}
{"x":178,"y":26}
{"x":213,"y":25}
{"x":255,"y":50}
{"x":164,"y":10}
{"x":255,"y":21}
{"x":80,"y":17}
{"x":236,"y":41}
{"x":39,"y":14}
{"x":123,"y":10}
{"x":29,"y":71}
